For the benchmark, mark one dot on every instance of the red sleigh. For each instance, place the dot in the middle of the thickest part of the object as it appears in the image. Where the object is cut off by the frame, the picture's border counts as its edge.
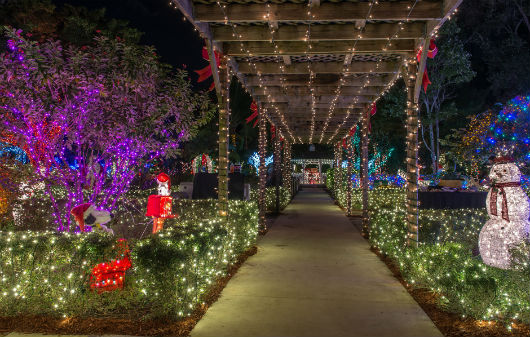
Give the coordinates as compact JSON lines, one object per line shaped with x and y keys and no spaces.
{"x":109,"y":276}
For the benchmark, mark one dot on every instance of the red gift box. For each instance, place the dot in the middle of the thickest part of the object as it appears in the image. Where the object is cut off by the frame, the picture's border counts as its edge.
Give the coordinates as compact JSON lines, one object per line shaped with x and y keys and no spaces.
{"x":159,"y":206}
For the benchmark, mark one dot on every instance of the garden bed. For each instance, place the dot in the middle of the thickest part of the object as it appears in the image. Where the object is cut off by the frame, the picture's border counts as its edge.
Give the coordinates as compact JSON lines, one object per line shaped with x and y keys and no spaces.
{"x":110,"y":325}
{"x":46,"y":275}
{"x":445,"y":274}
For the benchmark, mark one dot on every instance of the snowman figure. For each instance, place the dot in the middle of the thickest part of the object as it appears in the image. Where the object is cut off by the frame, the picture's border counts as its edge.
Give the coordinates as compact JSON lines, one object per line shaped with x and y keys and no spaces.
{"x":508,"y":208}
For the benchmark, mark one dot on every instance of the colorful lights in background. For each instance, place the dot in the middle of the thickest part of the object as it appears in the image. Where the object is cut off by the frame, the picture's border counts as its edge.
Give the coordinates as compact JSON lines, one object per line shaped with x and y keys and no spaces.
{"x":254,"y":160}
{"x":510,"y":132}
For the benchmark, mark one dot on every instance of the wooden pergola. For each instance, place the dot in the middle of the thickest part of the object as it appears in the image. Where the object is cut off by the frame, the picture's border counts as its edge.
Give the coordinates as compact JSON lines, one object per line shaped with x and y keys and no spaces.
{"x":316,"y":67}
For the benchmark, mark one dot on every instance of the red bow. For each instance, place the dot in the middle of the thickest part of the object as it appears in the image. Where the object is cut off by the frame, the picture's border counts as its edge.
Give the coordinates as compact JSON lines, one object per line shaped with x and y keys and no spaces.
{"x":206,"y":72}
{"x":273,"y":131}
{"x":493,"y":199}
{"x":431,"y":53}
{"x":254,"y":109}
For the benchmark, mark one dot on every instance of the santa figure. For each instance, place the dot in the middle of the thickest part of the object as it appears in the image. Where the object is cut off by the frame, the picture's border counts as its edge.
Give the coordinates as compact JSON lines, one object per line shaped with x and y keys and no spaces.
{"x":508,"y":208}
{"x":159,"y":205}
{"x":86,"y":214}
{"x":164,"y":184}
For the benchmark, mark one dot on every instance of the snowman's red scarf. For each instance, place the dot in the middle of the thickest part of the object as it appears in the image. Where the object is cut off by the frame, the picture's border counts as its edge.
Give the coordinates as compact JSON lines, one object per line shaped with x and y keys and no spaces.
{"x":493,"y":199}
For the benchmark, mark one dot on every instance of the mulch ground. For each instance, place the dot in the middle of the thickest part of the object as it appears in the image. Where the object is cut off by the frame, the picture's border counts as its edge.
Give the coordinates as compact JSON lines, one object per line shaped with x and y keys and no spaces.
{"x":100,"y":326}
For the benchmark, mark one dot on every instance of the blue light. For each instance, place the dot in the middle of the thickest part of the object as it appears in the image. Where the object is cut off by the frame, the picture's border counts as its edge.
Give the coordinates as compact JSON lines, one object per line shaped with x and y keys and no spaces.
{"x":254,"y":161}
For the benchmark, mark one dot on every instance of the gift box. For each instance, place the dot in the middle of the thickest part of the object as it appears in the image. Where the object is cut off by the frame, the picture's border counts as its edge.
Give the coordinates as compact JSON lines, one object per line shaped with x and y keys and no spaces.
{"x":159,"y":206}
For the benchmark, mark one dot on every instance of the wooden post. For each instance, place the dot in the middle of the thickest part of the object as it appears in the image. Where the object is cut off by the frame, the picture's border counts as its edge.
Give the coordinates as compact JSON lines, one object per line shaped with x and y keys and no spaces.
{"x":262,"y":150}
{"x":412,"y":126}
{"x":338,"y":178}
{"x":223,"y":103}
{"x":364,"y":169}
{"x":350,"y":185}
{"x":286,"y":167}
{"x":277,"y":169}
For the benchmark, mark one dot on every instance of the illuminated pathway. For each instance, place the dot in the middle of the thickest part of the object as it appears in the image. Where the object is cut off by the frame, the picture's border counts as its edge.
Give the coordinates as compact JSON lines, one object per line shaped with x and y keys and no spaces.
{"x":314,"y":275}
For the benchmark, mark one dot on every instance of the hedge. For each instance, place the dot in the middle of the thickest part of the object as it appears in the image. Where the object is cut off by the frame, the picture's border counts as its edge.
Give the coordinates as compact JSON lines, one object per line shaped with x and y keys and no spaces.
{"x":48,"y":273}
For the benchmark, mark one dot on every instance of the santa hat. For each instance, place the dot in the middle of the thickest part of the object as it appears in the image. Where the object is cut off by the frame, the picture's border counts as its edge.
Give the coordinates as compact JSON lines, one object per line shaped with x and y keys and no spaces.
{"x":162,"y":177}
{"x":79,"y":214}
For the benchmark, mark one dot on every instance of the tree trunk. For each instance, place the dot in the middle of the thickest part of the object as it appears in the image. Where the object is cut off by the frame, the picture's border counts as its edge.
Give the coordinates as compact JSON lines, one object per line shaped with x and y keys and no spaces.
{"x":433,"y":149}
{"x":523,"y":14}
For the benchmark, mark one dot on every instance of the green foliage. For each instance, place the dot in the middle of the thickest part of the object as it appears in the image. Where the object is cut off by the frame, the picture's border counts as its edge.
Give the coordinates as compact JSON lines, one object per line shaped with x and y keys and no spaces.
{"x":445,"y":261}
{"x":270,"y":198}
{"x":48,"y":273}
{"x":74,"y":25}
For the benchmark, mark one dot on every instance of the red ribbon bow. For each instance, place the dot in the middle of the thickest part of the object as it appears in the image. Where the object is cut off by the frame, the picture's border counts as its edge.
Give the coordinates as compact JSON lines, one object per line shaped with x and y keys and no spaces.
{"x":254,"y":109}
{"x":493,"y":199}
{"x":206,"y":72}
{"x":431,"y":53}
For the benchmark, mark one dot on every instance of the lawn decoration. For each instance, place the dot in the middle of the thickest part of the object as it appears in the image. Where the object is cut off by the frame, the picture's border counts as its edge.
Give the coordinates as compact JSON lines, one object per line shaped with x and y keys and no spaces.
{"x":202,"y":163}
{"x":508,"y":208}
{"x":108,"y":276}
{"x":159,"y":206}
{"x":87,"y":217}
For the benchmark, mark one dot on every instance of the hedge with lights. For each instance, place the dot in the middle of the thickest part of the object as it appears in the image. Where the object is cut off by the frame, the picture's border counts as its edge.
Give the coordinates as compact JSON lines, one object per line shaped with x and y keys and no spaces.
{"x":270,"y":197}
{"x":447,"y":260}
{"x":48,"y":273}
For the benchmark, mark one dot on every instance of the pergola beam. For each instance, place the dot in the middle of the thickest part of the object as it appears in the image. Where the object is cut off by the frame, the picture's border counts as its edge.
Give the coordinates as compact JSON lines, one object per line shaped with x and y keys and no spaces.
{"x":328,"y":11}
{"x":329,"y":32}
{"x":319,"y":67}
{"x":307,"y":105}
{"x":293,"y":48}
{"x":318,"y":90}
{"x":322,"y":99}
{"x":331,"y":80}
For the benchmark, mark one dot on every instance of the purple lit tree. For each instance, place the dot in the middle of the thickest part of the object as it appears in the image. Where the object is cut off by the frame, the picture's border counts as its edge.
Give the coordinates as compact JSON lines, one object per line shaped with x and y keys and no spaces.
{"x":88,"y":118}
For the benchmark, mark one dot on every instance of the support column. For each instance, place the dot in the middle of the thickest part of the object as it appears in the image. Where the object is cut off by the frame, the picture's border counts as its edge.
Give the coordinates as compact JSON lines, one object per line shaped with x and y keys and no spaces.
{"x":224,"y":136}
{"x":262,"y":151}
{"x":350,"y":166}
{"x":277,"y":170}
{"x":338,"y":178}
{"x":412,"y":126}
{"x":364,"y":168}
{"x":286,"y":167}
{"x":319,"y":172}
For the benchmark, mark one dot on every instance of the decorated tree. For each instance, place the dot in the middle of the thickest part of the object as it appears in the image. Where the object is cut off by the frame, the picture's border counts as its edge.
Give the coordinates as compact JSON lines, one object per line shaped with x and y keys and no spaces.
{"x":447,"y":71}
{"x":88,"y":118}
{"x":509,"y":133}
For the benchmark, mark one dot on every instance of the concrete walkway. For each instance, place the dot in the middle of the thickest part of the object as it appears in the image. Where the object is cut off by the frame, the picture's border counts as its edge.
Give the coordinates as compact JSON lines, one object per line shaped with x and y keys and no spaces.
{"x":314,"y":275}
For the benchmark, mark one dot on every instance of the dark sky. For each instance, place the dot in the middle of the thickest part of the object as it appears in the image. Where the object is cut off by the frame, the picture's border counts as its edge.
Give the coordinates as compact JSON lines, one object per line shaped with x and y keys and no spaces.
{"x":164,"y":27}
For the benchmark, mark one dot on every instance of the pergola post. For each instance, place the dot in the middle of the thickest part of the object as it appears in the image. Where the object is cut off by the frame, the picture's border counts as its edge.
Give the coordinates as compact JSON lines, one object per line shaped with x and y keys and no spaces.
{"x":262,"y":151}
{"x":410,"y":75}
{"x":338,"y":178}
{"x":221,"y":75}
{"x":277,"y":170}
{"x":364,"y":168}
{"x":350,"y":185}
{"x":286,"y":167}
